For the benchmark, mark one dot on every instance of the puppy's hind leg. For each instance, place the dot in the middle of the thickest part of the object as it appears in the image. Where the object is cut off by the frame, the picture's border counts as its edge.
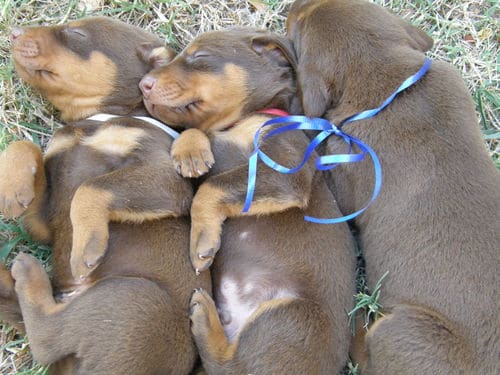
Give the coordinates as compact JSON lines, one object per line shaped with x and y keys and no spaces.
{"x":283,"y":336}
{"x":110,"y":328}
{"x":34,"y":292}
{"x":414,"y":340}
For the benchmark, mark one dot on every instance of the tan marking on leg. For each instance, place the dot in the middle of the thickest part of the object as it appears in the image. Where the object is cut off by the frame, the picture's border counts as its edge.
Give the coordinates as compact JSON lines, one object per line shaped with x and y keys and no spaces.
{"x":266,"y":306}
{"x":206,"y":326}
{"x":60,"y":143}
{"x":243,"y":133}
{"x":19,"y":164}
{"x":262,"y":207}
{"x":116,"y":140}
{"x":36,"y":225}
{"x":206,"y":225}
{"x":90,"y":218}
{"x":208,"y":213}
{"x":22,"y":186}
{"x":139,"y":217}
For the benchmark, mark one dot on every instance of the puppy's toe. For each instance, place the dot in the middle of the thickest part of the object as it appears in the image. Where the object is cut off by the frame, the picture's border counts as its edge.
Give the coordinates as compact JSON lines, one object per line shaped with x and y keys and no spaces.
{"x":200,"y":307}
{"x":186,"y":167}
{"x":192,"y":154}
{"x":87,"y":252}
{"x":25,"y":196}
{"x":204,"y":250}
{"x":199,"y":166}
{"x":202,"y":161}
{"x":14,"y":202}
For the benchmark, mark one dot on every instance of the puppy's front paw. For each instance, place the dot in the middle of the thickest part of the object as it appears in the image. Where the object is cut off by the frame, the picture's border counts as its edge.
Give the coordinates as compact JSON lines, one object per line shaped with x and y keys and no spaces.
{"x":18,"y":167}
{"x":204,"y":245}
{"x":90,"y":219}
{"x":191,"y":153}
{"x":30,"y":276}
{"x":207,"y":218}
{"x":89,"y":247}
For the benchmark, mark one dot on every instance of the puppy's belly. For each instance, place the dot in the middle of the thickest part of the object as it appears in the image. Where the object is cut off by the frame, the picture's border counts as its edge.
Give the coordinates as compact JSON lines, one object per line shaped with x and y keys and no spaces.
{"x":239,"y":299}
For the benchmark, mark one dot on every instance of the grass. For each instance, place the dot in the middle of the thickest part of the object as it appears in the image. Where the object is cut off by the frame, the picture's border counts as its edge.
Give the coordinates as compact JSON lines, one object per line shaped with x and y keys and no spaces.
{"x":465,"y":34}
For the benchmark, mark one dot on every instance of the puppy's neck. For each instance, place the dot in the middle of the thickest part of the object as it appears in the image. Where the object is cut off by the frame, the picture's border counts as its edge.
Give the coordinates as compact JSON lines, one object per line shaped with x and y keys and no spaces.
{"x":268,"y":112}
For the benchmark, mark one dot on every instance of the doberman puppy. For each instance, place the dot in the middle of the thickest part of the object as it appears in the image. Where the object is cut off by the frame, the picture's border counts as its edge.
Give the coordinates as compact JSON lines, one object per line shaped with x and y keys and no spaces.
{"x":282,"y":286}
{"x":435,"y":225}
{"x":107,"y":197}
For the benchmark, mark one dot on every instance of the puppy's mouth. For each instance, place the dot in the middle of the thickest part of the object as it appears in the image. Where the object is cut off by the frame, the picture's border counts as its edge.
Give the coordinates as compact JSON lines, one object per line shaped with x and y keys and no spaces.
{"x":185,"y":108}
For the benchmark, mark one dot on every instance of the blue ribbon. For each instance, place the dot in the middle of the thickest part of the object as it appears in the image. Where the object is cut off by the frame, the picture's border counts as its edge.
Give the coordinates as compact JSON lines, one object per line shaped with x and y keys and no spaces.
{"x":327,"y":162}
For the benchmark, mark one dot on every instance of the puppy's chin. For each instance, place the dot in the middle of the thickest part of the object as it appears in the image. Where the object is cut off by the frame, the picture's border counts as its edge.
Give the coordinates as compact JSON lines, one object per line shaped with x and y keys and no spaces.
{"x":167,"y":115}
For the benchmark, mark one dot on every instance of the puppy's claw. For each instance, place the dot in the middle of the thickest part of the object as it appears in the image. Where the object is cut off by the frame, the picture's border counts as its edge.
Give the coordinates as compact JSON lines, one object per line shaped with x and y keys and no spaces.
{"x":206,"y":254}
{"x":205,"y":265}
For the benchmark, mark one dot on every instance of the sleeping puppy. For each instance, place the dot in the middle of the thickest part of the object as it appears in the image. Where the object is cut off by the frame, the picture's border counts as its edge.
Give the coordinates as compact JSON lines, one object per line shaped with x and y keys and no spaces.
{"x":108,"y":199}
{"x":435,"y":225}
{"x":283,"y":286}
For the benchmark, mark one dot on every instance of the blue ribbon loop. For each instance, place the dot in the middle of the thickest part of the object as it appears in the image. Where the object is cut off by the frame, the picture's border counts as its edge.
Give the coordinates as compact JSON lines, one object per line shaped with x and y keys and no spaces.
{"x":327,"y":162}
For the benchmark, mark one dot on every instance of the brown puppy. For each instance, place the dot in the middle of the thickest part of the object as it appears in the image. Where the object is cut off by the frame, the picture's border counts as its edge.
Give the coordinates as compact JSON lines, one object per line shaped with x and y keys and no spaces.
{"x":435,"y":225}
{"x":283,"y":286}
{"x":124,"y":280}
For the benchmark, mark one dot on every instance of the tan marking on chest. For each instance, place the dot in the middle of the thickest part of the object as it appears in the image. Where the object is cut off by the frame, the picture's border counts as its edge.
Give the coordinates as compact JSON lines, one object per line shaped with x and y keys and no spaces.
{"x":60,"y":143}
{"x":243,"y":133}
{"x":115,"y":140}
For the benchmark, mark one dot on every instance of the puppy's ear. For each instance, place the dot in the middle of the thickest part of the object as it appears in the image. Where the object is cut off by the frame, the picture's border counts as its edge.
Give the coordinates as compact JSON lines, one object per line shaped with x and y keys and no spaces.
{"x":278,"y":49}
{"x":154,"y":55}
{"x":419,"y":40}
{"x":314,"y":93}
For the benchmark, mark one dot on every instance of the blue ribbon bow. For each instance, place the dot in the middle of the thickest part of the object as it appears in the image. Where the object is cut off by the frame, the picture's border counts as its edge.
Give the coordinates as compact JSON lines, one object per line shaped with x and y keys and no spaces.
{"x":327,"y":162}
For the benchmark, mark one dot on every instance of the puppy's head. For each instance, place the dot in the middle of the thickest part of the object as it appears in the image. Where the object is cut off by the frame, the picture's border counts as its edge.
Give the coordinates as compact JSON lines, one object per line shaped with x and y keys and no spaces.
{"x":338,"y":42}
{"x":87,"y":66}
{"x":220,"y":77}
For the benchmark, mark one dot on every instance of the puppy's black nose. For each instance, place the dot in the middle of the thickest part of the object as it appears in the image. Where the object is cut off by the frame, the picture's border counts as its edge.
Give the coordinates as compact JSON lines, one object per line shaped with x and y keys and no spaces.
{"x":147,"y":84}
{"x":15,"y":33}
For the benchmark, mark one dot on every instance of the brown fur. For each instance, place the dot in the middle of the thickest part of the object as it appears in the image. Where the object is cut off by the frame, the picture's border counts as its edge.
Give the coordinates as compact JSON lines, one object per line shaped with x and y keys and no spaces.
{"x":435,"y":225}
{"x":113,"y":205}
{"x":282,"y":285}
